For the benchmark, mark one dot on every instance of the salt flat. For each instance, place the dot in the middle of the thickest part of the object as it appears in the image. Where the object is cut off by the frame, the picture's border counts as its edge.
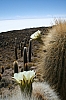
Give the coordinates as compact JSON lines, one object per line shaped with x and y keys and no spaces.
{"x":17,"y":24}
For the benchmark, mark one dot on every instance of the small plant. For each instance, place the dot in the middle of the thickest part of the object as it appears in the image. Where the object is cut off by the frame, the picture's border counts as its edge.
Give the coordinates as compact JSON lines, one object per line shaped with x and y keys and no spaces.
{"x":15,"y":65}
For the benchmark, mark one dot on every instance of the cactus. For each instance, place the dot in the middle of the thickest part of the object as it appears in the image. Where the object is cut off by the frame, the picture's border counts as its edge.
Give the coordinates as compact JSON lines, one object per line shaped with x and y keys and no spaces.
{"x":55,"y":59}
{"x":15,"y":42}
{"x":21,"y":49}
{"x":25,"y":58}
{"x":25,"y":80}
{"x":26,"y":67}
{"x":2,"y":69}
{"x":43,"y":91}
{"x":0,"y":76}
{"x":29,"y":53}
{"x":16,"y":53}
{"x":24,"y":42}
{"x":21,"y":69}
{"x":16,"y":48}
{"x":19,"y":46}
{"x":15,"y":65}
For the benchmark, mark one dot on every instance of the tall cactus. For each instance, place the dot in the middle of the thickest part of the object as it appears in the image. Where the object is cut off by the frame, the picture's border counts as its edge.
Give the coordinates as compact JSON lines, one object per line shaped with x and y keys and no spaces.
{"x":15,"y":65}
{"x":0,"y":76}
{"x":16,"y":48}
{"x":15,"y":41}
{"x":24,"y":42}
{"x":25,"y":58}
{"x":16,"y":57}
{"x":21,"y":49}
{"x":29,"y":52}
{"x":26,"y":67}
{"x":2,"y":69}
{"x":55,"y":59}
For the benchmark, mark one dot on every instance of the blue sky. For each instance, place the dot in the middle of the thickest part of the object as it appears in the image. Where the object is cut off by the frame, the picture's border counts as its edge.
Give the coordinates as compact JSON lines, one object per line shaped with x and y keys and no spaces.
{"x":16,"y":9}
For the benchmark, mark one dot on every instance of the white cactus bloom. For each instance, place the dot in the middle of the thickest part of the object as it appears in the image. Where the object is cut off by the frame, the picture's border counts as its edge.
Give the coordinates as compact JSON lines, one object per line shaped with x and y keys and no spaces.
{"x":36,"y":35}
{"x":25,"y":76}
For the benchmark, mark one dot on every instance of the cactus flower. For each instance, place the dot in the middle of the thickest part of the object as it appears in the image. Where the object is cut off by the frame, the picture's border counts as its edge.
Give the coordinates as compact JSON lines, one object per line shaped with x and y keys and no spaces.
{"x":36,"y":35}
{"x":24,"y":77}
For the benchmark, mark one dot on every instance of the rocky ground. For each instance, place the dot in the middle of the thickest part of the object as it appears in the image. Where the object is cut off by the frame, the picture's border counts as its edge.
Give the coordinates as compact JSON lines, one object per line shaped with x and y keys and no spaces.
{"x":7,"y":54}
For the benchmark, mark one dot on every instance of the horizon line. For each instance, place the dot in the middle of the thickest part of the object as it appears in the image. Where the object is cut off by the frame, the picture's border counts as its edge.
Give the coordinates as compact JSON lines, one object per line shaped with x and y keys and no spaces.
{"x":32,"y":18}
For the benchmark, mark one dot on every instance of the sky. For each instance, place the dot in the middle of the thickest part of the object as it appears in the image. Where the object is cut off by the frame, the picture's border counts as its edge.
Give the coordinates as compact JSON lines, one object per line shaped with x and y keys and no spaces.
{"x":17,"y":9}
{"x":21,"y":14}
